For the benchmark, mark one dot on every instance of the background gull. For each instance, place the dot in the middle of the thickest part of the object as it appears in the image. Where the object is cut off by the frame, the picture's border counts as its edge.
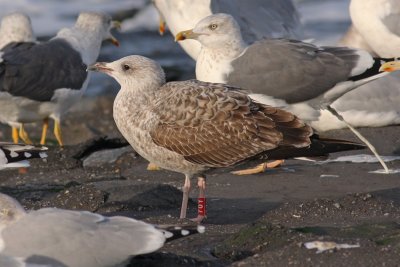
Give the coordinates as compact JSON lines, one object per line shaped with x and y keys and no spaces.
{"x":256,"y":18}
{"x":78,"y":238}
{"x":375,"y":28}
{"x":61,"y":65}
{"x":192,"y":126}
{"x":293,"y":72}
{"x":16,"y":155}
{"x":15,"y":28}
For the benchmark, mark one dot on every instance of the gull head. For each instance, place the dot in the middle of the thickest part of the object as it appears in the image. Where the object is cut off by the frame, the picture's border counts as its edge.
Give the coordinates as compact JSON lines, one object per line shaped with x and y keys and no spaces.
{"x":213,"y":31}
{"x":10,"y":210}
{"x":98,"y":23}
{"x":132,"y":71}
{"x":390,"y":66}
{"x":15,"y":27}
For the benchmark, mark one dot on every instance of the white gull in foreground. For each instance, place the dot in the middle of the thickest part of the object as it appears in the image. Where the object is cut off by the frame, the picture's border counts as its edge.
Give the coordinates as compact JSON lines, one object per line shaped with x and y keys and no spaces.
{"x":257,"y":18}
{"x":17,"y":155}
{"x":78,"y":238}
{"x":192,"y":126}
{"x":41,"y":81}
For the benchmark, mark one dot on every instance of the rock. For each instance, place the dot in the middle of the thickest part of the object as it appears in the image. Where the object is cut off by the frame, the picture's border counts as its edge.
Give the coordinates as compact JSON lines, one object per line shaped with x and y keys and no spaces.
{"x":108,"y":156}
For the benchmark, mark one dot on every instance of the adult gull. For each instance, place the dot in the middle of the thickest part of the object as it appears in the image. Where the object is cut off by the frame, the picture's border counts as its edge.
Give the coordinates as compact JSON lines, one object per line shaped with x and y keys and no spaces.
{"x":256,"y":18}
{"x":300,"y":76}
{"x":78,"y":238}
{"x":41,"y":81}
{"x":193,"y":126}
{"x":15,"y":28}
{"x":17,"y":155}
{"x":375,"y":28}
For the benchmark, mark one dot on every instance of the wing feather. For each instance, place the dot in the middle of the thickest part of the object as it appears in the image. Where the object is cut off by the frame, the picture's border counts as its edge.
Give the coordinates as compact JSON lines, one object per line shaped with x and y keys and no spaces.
{"x":217,"y":125}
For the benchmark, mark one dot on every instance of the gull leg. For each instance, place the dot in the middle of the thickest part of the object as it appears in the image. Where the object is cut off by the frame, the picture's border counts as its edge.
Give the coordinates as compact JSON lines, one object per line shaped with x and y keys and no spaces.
{"x":15,"y":135}
{"x":185,"y":199}
{"x":153,"y":167}
{"x":24,"y":135}
{"x":260,"y":168}
{"x":44,"y":131}
{"x":201,"y":201}
{"x":57,"y":132}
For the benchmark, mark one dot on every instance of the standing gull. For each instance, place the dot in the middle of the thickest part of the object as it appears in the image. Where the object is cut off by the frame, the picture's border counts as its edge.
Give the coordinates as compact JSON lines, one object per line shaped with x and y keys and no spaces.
{"x":375,"y":28}
{"x":16,"y":155}
{"x":256,"y":18}
{"x":298,"y":76}
{"x":15,"y":28}
{"x":192,"y":126}
{"x":78,"y":238}
{"x":41,"y":81}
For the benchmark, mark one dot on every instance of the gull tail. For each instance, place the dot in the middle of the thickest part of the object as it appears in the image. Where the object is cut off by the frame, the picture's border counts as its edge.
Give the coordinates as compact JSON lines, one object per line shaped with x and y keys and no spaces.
{"x":319,"y":147}
{"x":175,"y":232}
{"x":16,"y":155}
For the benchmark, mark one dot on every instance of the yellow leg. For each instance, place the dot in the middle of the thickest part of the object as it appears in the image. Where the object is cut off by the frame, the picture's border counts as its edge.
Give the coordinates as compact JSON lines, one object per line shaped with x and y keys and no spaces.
{"x":44,"y":131}
{"x":153,"y":167}
{"x":15,"y":135}
{"x":57,"y":132}
{"x":260,"y":168}
{"x":24,"y":135}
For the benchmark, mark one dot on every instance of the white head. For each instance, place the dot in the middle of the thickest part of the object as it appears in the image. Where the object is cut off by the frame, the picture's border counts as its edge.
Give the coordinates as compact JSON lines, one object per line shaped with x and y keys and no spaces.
{"x":133,"y":72}
{"x":99,"y":24}
{"x":15,"y":27}
{"x":10,"y":210}
{"x":214,"y":31}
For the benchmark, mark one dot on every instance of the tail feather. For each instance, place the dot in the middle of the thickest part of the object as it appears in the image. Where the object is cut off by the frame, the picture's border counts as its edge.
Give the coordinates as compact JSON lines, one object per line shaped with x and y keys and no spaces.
{"x":319,"y":147}
{"x":176,"y":232}
{"x":18,"y":152}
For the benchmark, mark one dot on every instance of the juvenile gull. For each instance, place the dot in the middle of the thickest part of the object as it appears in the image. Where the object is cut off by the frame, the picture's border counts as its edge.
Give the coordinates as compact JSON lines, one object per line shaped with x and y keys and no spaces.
{"x":256,"y":18}
{"x":299,"y":76}
{"x":78,"y":238}
{"x":192,"y":126}
{"x":17,"y":155}
{"x":41,"y":81}
{"x":376,"y":28}
{"x":15,"y":28}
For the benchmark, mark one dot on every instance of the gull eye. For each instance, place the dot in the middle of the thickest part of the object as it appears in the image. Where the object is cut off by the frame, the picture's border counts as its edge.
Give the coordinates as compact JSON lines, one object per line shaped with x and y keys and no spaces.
{"x":213,"y":26}
{"x":126,"y":67}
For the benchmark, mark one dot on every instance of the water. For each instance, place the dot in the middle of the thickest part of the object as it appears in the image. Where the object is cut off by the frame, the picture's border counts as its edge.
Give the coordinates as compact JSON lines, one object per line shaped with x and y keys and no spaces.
{"x":324,"y":22}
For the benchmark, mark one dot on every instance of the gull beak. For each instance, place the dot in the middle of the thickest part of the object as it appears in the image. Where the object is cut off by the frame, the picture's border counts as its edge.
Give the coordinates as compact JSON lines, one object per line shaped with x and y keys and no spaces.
{"x":114,"y":25}
{"x":183,"y":35}
{"x":390,"y":66}
{"x":114,"y":41}
{"x":100,"y":67}
{"x":161,"y":26}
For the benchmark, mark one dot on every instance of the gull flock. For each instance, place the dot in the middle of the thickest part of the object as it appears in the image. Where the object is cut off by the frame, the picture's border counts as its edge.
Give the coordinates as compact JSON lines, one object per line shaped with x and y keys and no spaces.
{"x":260,"y":94}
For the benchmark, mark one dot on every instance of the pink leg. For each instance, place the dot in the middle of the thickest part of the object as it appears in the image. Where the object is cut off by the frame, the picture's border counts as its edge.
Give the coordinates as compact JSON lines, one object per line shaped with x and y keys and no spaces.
{"x":201,"y":201}
{"x":185,"y":199}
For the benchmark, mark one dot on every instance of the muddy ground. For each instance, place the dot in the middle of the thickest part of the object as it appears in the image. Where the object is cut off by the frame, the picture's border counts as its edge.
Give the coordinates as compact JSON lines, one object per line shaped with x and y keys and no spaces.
{"x":258,"y":220}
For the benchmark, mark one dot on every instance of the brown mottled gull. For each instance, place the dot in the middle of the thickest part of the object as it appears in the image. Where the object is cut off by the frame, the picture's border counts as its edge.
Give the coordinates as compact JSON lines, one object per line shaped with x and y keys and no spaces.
{"x":192,"y":126}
